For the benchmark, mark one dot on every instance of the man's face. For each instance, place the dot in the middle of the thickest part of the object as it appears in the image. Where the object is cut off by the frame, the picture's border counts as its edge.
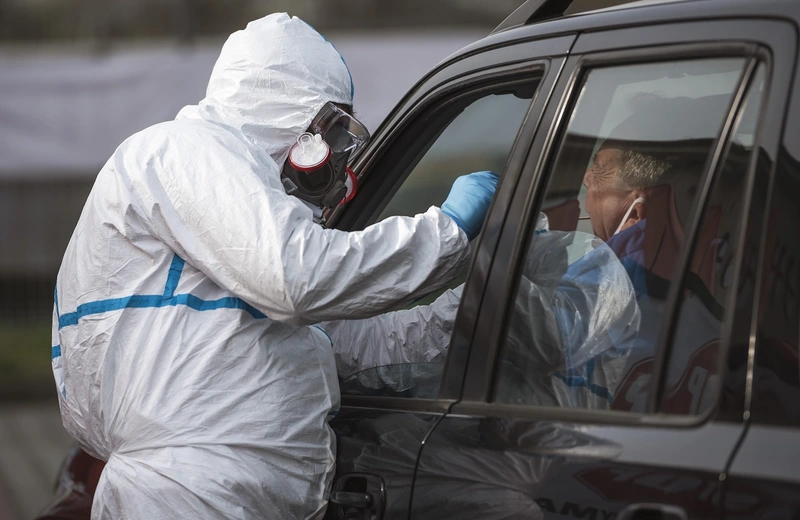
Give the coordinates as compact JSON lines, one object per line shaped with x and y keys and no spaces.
{"x":607,"y":199}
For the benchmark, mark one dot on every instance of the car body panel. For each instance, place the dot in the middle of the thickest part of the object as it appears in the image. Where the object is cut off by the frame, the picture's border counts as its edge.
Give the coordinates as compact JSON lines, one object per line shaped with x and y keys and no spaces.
{"x":500,"y":467}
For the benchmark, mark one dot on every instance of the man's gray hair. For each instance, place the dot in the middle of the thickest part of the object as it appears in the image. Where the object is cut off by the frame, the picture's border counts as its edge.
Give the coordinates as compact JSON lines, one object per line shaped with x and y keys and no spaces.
{"x":638,"y":170}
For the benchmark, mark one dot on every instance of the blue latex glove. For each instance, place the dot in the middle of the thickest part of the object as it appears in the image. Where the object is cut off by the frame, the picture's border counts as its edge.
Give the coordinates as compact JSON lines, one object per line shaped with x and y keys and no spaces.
{"x":469,"y":201}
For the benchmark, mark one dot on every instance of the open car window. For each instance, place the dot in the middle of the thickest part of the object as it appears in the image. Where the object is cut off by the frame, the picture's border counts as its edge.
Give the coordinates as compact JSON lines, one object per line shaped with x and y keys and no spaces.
{"x":402,"y":354}
{"x":479,"y":138}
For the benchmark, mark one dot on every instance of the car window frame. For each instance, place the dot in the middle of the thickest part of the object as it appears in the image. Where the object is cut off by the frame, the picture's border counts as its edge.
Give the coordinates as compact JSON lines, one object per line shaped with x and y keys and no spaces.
{"x":705,"y":40}
{"x":438,"y":101}
{"x":549,"y":59}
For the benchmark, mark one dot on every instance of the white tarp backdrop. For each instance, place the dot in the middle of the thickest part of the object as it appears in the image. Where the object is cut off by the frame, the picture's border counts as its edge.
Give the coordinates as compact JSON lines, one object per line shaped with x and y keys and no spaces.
{"x":63,"y":112}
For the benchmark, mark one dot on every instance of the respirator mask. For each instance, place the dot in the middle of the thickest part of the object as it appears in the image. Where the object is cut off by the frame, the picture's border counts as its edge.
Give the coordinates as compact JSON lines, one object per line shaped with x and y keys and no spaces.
{"x":316,"y":170}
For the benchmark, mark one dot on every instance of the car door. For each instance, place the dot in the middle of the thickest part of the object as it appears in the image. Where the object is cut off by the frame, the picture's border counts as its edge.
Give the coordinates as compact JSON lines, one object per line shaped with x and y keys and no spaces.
{"x":476,"y":112}
{"x":763,"y":480}
{"x":608,"y":365}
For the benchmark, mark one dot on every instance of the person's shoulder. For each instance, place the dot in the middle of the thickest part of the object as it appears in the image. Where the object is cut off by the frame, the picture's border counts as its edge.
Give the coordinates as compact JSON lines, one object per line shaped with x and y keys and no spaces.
{"x":195,"y":152}
{"x":181,"y":145}
{"x":183,"y":136}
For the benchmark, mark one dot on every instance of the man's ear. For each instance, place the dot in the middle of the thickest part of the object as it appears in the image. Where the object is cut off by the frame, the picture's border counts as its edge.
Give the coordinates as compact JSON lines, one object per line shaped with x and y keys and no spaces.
{"x":638,"y":211}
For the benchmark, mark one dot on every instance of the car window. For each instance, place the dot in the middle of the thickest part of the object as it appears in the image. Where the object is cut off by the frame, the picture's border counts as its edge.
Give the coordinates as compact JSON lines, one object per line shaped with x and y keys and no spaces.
{"x":693,"y":364}
{"x":590,"y":302}
{"x":479,"y":138}
{"x":474,"y":134}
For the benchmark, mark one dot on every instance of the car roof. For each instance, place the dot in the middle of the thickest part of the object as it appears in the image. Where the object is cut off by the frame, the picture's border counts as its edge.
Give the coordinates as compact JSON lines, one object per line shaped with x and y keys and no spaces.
{"x":578,"y":6}
{"x":557,"y":13}
{"x":519,"y":25}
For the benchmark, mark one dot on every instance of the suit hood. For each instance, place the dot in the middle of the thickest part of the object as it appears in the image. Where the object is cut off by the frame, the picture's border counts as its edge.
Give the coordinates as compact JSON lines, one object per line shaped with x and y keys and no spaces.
{"x":270,"y":80}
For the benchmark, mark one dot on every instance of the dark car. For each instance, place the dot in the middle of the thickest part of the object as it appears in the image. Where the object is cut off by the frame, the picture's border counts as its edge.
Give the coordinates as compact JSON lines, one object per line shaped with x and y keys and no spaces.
{"x":673,"y":392}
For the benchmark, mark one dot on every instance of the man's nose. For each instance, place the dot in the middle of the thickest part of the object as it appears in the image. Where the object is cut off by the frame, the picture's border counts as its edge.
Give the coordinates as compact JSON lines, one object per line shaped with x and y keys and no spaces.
{"x":587,"y":177}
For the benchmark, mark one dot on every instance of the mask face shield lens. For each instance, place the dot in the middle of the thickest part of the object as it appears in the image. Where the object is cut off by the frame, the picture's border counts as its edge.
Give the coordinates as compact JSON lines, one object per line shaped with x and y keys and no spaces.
{"x":343,"y":132}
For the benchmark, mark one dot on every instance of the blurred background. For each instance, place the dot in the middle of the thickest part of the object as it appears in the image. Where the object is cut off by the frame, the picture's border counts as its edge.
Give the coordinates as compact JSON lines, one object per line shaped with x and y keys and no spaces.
{"x":79,"y":76}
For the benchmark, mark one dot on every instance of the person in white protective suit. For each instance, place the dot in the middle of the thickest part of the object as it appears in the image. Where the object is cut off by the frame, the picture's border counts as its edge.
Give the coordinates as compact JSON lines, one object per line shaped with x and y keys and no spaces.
{"x":184,"y":350}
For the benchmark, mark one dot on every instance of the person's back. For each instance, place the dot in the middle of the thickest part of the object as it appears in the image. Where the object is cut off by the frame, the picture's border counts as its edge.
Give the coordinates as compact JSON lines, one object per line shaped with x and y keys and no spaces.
{"x":183,"y":351}
{"x":160,"y":394}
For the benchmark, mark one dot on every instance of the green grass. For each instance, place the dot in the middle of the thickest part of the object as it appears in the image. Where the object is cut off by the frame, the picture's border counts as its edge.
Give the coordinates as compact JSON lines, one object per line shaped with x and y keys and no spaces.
{"x":25,"y":369}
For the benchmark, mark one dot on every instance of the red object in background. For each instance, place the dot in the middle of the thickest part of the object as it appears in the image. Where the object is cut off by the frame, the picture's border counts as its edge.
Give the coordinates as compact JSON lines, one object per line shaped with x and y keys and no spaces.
{"x":77,"y":482}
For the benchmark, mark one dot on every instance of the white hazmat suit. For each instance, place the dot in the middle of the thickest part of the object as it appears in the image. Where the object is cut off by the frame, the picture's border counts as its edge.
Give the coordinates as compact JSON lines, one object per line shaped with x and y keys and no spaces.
{"x":184,"y":351}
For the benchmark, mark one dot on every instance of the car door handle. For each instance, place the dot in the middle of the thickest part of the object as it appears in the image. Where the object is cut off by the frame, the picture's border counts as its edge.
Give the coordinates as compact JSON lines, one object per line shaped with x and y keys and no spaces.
{"x":358,"y":496}
{"x":351,"y":499}
{"x":646,"y":511}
